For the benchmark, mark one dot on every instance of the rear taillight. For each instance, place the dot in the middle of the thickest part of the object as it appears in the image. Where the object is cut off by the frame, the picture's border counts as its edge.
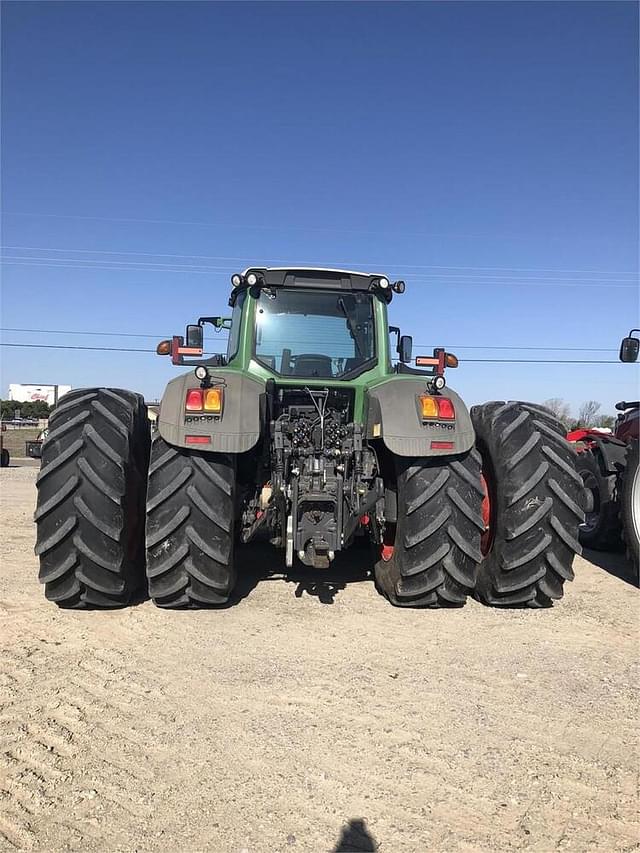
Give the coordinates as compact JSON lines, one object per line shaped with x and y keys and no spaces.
{"x":213,"y":400}
{"x":445,"y":409}
{"x":194,"y":401}
{"x":438,"y":408}
{"x":207,"y":400}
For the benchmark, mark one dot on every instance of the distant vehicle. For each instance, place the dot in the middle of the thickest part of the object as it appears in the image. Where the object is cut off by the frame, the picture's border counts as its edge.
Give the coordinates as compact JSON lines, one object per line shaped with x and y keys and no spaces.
{"x":22,"y":422}
{"x":608,"y":465}
{"x":33,"y":448}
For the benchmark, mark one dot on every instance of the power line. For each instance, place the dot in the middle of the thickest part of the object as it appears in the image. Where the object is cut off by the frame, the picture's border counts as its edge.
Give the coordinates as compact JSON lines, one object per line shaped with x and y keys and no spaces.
{"x":68,"y":346}
{"x":80,"y":332}
{"x":204,"y":268}
{"x":121,"y":263}
{"x":244,"y":225}
{"x":86,"y":264}
{"x":347,"y":263}
{"x":74,"y":266}
{"x":159,"y":336}
{"x":462,"y":360}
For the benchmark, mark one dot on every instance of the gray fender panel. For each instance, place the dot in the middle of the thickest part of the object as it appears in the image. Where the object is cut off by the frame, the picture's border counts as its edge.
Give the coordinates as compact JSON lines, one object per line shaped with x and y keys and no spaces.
{"x":236,"y":432}
{"x":393,"y":406}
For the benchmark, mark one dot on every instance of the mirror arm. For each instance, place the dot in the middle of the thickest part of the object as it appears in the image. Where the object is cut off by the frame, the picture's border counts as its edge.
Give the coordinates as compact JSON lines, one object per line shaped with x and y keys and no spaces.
{"x":396,"y":330}
{"x":216,"y":322}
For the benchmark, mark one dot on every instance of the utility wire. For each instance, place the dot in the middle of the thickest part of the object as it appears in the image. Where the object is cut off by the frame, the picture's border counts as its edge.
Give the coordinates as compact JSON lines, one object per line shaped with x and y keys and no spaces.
{"x":462,"y":360}
{"x":245,"y":226}
{"x":439,"y":280}
{"x":223,"y":337}
{"x":205,"y":267}
{"x":226,"y":267}
{"x":68,"y":346}
{"x":349,"y":263}
{"x":80,"y":332}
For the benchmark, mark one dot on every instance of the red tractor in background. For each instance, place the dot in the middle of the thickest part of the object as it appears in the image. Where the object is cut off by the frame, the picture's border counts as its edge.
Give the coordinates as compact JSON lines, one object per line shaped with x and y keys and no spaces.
{"x":608,"y":465}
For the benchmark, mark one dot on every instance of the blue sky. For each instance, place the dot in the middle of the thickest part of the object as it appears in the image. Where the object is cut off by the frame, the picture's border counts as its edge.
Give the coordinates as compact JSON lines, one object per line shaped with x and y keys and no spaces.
{"x":487,"y":153}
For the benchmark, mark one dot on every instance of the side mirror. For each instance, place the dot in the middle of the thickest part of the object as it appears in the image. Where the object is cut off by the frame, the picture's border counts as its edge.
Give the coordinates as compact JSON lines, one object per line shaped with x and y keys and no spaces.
{"x":405,"y":347}
{"x":629,"y":348}
{"x":194,"y":337}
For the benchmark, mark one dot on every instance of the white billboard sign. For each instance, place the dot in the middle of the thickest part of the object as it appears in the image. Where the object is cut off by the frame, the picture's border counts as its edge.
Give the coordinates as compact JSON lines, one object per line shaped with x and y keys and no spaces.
{"x":37,"y":393}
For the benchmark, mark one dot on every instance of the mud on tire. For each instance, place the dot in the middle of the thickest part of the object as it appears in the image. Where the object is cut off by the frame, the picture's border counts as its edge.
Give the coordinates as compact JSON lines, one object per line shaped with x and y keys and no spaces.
{"x":536,"y":504}
{"x":91,"y":496}
{"x":190,"y":526}
{"x":437,"y":539}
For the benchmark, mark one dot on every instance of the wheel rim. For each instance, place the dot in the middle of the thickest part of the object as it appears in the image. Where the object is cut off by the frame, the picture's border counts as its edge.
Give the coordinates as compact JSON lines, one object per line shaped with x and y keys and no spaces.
{"x":635,"y":503}
{"x":592,"y":517}
{"x":486,"y":539}
{"x":388,"y":543}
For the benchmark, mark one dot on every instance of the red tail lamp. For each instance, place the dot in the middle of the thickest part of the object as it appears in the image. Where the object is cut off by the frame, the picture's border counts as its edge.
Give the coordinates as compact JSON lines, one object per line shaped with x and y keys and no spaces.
{"x":445,"y":409}
{"x":194,"y":401}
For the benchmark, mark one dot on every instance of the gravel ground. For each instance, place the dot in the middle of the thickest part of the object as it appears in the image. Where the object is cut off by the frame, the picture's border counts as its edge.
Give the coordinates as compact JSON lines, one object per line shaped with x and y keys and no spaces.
{"x":312,"y":716}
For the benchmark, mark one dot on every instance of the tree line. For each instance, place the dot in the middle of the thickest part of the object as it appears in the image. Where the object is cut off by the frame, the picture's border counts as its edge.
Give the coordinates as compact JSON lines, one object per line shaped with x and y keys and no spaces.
{"x":588,"y":414}
{"x":32,"y":410}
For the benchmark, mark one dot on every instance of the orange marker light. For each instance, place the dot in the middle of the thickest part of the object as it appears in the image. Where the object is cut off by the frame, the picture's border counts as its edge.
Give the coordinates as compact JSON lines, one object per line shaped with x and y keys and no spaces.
{"x":428,"y":406}
{"x":213,"y":400}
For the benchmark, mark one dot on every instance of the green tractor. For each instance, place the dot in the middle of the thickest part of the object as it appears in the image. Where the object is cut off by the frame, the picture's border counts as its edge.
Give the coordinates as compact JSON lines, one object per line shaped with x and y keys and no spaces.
{"x":312,"y":432}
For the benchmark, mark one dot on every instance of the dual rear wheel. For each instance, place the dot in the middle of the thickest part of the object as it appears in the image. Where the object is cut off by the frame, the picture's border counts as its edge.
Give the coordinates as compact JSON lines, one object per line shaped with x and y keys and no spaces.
{"x":499,"y":522}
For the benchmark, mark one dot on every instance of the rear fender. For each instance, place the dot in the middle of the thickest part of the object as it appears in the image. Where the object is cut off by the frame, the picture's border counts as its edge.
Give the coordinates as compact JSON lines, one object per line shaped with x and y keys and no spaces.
{"x":392,"y":415}
{"x":236,"y":431}
{"x":610,"y":453}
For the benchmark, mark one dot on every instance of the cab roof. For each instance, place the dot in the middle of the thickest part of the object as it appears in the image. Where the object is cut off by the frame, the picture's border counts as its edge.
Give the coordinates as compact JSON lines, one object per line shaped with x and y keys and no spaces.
{"x":320,"y":277}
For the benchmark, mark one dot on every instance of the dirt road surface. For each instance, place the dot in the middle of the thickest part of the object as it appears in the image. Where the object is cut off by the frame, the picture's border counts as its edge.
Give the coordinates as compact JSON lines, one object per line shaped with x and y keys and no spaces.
{"x":314,"y":717}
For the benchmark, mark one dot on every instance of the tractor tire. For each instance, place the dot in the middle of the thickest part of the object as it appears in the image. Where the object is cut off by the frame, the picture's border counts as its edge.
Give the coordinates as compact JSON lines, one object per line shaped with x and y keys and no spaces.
{"x":91,"y":496}
{"x":4,"y":458}
{"x":190,"y":526}
{"x":601,"y":528}
{"x":630,"y":505}
{"x":432,"y":557}
{"x":533,"y":505}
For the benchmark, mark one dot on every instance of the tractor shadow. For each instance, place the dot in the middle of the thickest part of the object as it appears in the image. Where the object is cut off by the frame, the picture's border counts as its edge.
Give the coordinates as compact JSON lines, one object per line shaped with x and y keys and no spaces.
{"x":356,"y":838}
{"x":615,"y":563}
{"x":262,"y":562}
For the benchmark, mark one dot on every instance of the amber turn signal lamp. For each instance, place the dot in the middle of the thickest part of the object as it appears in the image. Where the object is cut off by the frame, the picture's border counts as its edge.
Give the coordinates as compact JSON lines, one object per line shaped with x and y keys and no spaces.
{"x":428,"y":407}
{"x":213,"y":400}
{"x":451,"y":360}
{"x":164,"y":348}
